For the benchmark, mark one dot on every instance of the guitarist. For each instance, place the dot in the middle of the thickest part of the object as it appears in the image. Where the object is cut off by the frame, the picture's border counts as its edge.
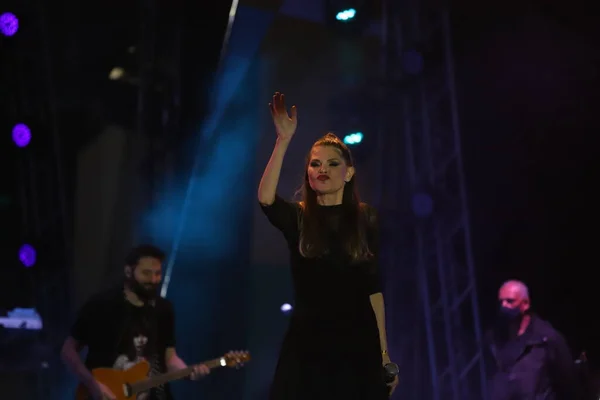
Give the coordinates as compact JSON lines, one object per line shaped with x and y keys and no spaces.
{"x":123,"y":326}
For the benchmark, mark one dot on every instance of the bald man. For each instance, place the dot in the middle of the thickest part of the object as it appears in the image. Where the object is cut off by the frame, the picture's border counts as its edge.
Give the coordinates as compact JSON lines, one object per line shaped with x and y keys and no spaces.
{"x":532,"y":360}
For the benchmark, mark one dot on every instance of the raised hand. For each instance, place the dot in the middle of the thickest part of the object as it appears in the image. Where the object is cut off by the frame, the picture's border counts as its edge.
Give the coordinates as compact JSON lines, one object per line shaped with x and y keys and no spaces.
{"x":285,"y":124}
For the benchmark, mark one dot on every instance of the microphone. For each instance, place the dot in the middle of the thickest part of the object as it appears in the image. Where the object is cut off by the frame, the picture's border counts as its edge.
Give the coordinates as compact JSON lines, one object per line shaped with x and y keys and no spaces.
{"x":390,"y":371}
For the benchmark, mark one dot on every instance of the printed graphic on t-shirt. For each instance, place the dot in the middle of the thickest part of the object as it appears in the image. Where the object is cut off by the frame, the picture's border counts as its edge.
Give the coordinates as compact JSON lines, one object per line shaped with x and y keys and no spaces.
{"x":124,"y":362}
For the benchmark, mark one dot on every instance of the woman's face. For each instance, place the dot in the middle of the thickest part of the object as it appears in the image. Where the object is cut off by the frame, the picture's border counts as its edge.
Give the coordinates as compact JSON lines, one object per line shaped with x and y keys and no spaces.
{"x":327,"y":171}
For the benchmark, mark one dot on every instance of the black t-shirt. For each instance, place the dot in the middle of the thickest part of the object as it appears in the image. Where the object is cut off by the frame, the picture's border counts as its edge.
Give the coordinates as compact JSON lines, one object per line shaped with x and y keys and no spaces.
{"x":119,"y":334}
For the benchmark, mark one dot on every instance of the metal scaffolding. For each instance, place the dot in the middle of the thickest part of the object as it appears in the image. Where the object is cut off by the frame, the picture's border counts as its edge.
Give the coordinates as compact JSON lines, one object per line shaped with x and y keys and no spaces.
{"x":442,"y":357}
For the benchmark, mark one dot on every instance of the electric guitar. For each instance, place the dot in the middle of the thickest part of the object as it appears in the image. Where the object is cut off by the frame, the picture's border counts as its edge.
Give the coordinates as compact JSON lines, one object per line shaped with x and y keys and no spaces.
{"x":127,"y":384}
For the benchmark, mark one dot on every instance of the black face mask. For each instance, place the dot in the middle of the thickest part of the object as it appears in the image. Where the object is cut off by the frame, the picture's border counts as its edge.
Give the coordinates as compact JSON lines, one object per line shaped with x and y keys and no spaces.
{"x":146,"y":292}
{"x":507,"y":323}
{"x":509,"y":314}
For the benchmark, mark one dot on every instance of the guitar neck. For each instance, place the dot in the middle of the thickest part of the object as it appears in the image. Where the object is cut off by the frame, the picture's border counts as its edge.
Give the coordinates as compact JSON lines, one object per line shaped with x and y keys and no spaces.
{"x":155,"y":381}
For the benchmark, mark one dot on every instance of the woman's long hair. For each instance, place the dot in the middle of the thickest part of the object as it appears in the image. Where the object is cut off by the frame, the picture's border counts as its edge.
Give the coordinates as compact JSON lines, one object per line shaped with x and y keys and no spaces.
{"x":352,"y":230}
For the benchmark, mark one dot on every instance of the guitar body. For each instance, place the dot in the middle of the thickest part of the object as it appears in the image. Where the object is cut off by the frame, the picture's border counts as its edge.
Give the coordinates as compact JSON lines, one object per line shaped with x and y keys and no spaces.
{"x":126,"y":384}
{"x":116,"y":380}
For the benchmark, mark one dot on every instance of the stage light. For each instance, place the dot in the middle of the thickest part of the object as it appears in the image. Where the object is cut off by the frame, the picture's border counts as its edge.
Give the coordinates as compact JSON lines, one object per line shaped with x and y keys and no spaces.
{"x":27,"y":255}
{"x":116,"y":73}
{"x":353,"y":138}
{"x":346,"y":15}
{"x":9,"y":24}
{"x":286,"y":308}
{"x":22,"y":318}
{"x":21,"y":135}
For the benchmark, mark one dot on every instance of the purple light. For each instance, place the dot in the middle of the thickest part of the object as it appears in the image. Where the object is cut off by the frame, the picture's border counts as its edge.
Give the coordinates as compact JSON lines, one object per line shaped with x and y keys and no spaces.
{"x":9,"y":24}
{"x":21,"y":135}
{"x":27,"y":255}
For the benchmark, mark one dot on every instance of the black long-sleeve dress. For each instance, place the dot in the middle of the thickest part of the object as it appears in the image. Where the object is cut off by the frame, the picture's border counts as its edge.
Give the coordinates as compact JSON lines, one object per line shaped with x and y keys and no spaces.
{"x":331,"y":349}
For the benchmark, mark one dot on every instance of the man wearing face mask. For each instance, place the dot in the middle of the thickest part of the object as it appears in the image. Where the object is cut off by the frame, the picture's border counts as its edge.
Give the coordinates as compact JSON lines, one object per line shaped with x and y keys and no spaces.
{"x":126,"y":325}
{"x":532,"y":360}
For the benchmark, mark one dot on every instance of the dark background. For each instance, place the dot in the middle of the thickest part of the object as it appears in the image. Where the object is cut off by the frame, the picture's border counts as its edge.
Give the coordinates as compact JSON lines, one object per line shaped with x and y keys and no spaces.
{"x":527,"y":77}
{"x":528,"y":81}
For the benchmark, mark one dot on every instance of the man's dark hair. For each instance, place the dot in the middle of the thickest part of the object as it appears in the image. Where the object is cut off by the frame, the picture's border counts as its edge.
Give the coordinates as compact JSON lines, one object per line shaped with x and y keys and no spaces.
{"x":143,"y":250}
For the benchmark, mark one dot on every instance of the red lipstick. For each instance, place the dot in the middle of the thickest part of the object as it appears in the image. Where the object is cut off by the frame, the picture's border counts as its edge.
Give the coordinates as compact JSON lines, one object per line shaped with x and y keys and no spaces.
{"x":322,"y":178}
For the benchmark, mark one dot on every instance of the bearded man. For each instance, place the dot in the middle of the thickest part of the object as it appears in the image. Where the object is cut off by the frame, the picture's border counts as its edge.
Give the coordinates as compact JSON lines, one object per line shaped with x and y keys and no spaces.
{"x":125,"y":325}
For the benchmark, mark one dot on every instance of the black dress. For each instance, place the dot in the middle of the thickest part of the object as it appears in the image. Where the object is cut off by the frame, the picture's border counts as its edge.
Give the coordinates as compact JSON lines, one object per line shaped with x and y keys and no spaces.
{"x":331,"y":349}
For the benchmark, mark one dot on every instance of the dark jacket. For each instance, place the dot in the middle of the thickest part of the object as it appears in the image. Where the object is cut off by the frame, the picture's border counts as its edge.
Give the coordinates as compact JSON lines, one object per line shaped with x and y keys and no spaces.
{"x":535,"y":366}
